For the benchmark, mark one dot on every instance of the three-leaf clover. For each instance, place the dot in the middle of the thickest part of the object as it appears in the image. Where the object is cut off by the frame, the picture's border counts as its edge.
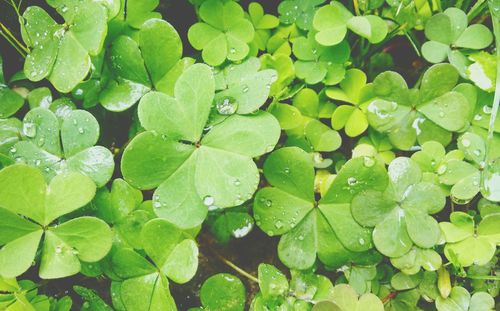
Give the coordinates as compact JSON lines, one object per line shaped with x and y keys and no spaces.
{"x":173,"y":254}
{"x":151,"y":61}
{"x":345,"y":298}
{"x":311,"y":228}
{"x":317,"y":63}
{"x":29,"y":207}
{"x":430,"y":112}
{"x":332,"y":21}
{"x":461,"y":300}
{"x":300,"y":12}
{"x":448,"y":32}
{"x":351,"y":90}
{"x":262,"y":23}
{"x":224,"y":32}
{"x":400,"y":213}
{"x":56,"y":145}
{"x":62,"y":52}
{"x":416,"y":258}
{"x":195,"y":169}
{"x":467,"y":245}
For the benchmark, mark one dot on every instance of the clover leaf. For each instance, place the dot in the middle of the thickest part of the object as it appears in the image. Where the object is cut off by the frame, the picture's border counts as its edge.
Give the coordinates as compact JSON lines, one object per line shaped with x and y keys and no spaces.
{"x":151,"y":61}
{"x":62,"y":53}
{"x":311,"y":228}
{"x":195,"y":171}
{"x":123,"y":207}
{"x":428,"y":113}
{"x":63,"y":145}
{"x":481,"y":71}
{"x":400,"y":213}
{"x":352,"y":118}
{"x":317,"y":63}
{"x":29,"y":207}
{"x":173,"y":254}
{"x":448,"y":32}
{"x":230,"y":223}
{"x":280,"y":41}
{"x":277,"y":293}
{"x":285,"y":69}
{"x":262,"y":23}
{"x":223,"y":292}
{"x":136,"y":12}
{"x":416,"y":258}
{"x":224,"y":32}
{"x":11,"y":101}
{"x":299,"y":12}
{"x":461,"y":300}
{"x":332,"y":21}
{"x":344,"y":298}
{"x":375,"y":144}
{"x":466,"y":244}
{"x":244,"y":85}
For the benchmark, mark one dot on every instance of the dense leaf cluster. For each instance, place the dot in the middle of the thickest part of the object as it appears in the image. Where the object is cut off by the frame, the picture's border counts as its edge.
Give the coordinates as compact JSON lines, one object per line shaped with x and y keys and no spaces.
{"x":380,"y":188}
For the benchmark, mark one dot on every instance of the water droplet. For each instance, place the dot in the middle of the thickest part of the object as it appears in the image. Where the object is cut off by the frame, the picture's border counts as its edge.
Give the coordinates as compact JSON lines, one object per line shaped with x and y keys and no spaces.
{"x":74,"y":122}
{"x":433,"y":163}
{"x":37,"y":162}
{"x":41,"y":141}
{"x":477,"y":152}
{"x":64,"y":8}
{"x":301,"y":238}
{"x":268,"y":203}
{"x":208,"y":200}
{"x":75,"y":251}
{"x":278,"y":224}
{"x":270,"y":232}
{"x":157,"y":204}
{"x":361,"y":241}
{"x":441,"y":114}
{"x":237,"y":182}
{"x":245,"y":88}
{"x":465,"y":142}
{"x":286,"y":170}
{"x":351,"y":181}
{"x":487,"y":109}
{"x":226,"y":106}
{"x":314,"y":51}
{"x":478,"y":117}
{"x":29,"y":129}
{"x":13,"y":150}
{"x":81,"y":130}
{"x":442,"y":169}
{"x":58,"y":249}
{"x":368,"y":161}
{"x":232,"y":50}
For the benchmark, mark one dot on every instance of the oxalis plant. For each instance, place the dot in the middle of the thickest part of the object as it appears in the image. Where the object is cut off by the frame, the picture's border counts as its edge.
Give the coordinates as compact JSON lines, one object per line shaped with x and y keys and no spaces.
{"x":228,"y":155}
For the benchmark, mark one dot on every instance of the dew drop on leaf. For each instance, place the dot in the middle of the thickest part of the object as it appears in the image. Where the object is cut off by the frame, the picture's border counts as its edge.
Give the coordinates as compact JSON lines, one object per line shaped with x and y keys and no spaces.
{"x":368,"y":161}
{"x":245,"y":88}
{"x":286,"y":170}
{"x":226,"y":106}
{"x":478,"y":117}
{"x":29,"y":129}
{"x":278,"y":224}
{"x":487,"y":109}
{"x":351,"y":181}
{"x":232,"y":50}
{"x":361,"y":241}
{"x":208,"y":200}
{"x":441,"y":114}
{"x":442,"y":169}
{"x":465,"y":142}
{"x":81,"y":130}
{"x":268,"y":203}
{"x":237,"y":182}
{"x":58,"y":249}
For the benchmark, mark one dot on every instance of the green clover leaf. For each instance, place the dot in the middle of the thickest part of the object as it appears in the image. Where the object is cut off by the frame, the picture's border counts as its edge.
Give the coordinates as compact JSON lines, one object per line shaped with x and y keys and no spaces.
{"x":223,"y":292}
{"x":481,"y":71}
{"x":467,"y":245}
{"x":332,"y":21}
{"x":245,"y":86}
{"x":224,"y":33}
{"x":195,"y":171}
{"x":375,"y":144}
{"x":283,"y":65}
{"x":299,"y":12}
{"x":344,"y":298}
{"x":63,"y":145}
{"x":62,"y":53}
{"x":280,"y":41}
{"x":11,"y":101}
{"x":262,"y":23}
{"x":173,"y":254}
{"x":308,"y":228}
{"x":416,"y":258}
{"x":351,"y":90}
{"x":428,"y":113}
{"x":151,"y":61}
{"x":447,"y":31}
{"x":32,"y":205}
{"x":400,"y":214}
{"x":122,"y":206}
{"x":461,"y":300}
{"x":316,"y":63}
{"x":230,"y":223}
{"x":135,"y":12}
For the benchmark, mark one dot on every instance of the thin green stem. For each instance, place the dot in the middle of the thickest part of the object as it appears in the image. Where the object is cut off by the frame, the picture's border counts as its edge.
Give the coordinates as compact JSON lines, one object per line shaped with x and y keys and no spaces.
{"x":495,"y":18}
{"x":7,"y":34}
{"x":483,"y":277}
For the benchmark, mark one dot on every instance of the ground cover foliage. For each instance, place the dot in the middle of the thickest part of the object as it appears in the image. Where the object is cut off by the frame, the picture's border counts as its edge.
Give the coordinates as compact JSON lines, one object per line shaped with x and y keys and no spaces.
{"x":272,"y":155}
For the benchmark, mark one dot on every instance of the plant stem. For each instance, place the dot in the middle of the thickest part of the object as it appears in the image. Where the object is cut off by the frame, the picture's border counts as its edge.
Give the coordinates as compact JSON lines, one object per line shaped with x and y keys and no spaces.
{"x":484,"y":277}
{"x":495,"y":19}
{"x":7,"y":34}
{"x":236,"y":268}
